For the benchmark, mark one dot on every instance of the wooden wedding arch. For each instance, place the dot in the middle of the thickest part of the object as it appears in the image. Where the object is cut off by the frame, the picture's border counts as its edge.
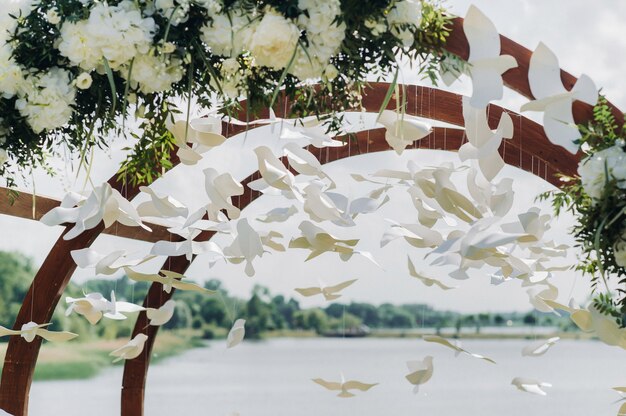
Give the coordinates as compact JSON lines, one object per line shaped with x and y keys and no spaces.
{"x":529,"y":149}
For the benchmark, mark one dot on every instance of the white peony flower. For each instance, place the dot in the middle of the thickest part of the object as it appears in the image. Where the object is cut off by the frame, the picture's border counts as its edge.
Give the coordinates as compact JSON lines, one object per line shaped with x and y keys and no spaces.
{"x":177,"y":11}
{"x":592,"y":170}
{"x":11,"y":76}
{"x":83,"y":81}
{"x":154,"y":73}
{"x":403,"y":14}
{"x":228,"y":34}
{"x":275,"y":41}
{"x":117,"y":33}
{"x":46,"y":99}
{"x":324,"y":37}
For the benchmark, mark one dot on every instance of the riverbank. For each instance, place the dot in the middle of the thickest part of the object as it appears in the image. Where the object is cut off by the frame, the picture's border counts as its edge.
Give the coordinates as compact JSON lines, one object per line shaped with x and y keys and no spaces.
{"x":83,"y":360}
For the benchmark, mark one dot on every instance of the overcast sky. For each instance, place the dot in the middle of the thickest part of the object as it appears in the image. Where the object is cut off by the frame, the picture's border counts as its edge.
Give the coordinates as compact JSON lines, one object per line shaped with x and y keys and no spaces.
{"x":586,"y":39}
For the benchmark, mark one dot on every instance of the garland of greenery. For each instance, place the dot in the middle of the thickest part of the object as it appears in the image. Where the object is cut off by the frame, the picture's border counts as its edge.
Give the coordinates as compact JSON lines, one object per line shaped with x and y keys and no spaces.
{"x":597,"y":198}
{"x":71,"y":71}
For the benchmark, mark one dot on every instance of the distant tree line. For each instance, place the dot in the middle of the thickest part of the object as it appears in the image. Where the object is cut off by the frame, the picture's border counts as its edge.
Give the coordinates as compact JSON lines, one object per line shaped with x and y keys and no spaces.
{"x":213,"y":315}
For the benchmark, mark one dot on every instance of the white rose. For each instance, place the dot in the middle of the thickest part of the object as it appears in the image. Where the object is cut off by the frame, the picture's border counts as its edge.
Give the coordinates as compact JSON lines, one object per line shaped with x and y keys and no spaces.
{"x":275,"y":41}
{"x":53,"y":17}
{"x":83,"y":81}
{"x":405,"y":12}
{"x":592,"y":170}
{"x":230,"y":66}
{"x":619,"y":250}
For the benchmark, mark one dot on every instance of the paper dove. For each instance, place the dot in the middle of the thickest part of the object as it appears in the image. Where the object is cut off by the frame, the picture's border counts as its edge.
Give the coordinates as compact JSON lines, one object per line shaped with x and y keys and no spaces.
{"x":456,"y":347}
{"x":30,"y":330}
{"x":551,"y":97}
{"x":495,"y":198}
{"x":419,"y":372}
{"x":329,"y":292}
{"x":279,"y":214}
{"x":592,"y":320}
{"x":220,"y":189}
{"x":483,"y":143}
{"x":530,"y":386}
{"x":162,"y":315}
{"x":305,"y":163}
{"x":539,"y":348}
{"x":427,"y":281}
{"x":402,"y":129}
{"x":318,"y":241}
{"x":94,"y":306}
{"x":415,"y":234}
{"x":316,"y":135}
{"x":538,"y":297}
{"x":162,"y":207}
{"x":531,"y":223}
{"x":622,"y":392}
{"x":273,"y":173}
{"x":344,"y":386}
{"x":168,"y":279}
{"x":103,"y":204}
{"x":236,"y":333}
{"x":486,"y":65}
{"x":131,"y":350}
{"x":203,"y":133}
{"x":247,"y":245}
{"x":106,"y":264}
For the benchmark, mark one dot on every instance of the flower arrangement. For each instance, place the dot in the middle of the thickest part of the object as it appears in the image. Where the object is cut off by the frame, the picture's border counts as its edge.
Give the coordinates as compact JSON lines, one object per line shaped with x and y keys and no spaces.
{"x":72,"y":71}
{"x":597,"y":198}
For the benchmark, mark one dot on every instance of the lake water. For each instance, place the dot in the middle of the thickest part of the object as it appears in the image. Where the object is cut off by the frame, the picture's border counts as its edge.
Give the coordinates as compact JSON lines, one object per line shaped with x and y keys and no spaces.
{"x":273,"y":378}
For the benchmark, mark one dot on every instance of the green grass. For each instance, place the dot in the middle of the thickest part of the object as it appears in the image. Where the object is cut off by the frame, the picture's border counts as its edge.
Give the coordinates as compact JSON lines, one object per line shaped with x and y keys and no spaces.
{"x":83,"y":360}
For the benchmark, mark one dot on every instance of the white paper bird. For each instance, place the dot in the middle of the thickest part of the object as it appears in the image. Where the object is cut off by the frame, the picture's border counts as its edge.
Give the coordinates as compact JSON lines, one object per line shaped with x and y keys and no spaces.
{"x":130,"y":350}
{"x":551,"y":98}
{"x":314,"y":133}
{"x":344,"y":387}
{"x":427,"y":281}
{"x":161,"y":207}
{"x":539,"y":295}
{"x":419,"y":372}
{"x":103,"y":204}
{"x":162,"y":315}
{"x":622,"y":392}
{"x":530,"y":386}
{"x":402,"y":129}
{"x":236,"y":333}
{"x":305,"y":163}
{"x":30,"y":330}
{"x":273,"y":173}
{"x":246,"y":246}
{"x":221,"y":189}
{"x":106,"y":264}
{"x":539,"y":348}
{"x":486,"y":65}
{"x":94,"y":306}
{"x":483,"y":143}
{"x":416,"y":235}
{"x":456,"y":347}
{"x":203,"y":134}
{"x":279,"y":214}
{"x":168,"y":279}
{"x":318,"y":241}
{"x":329,"y":292}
